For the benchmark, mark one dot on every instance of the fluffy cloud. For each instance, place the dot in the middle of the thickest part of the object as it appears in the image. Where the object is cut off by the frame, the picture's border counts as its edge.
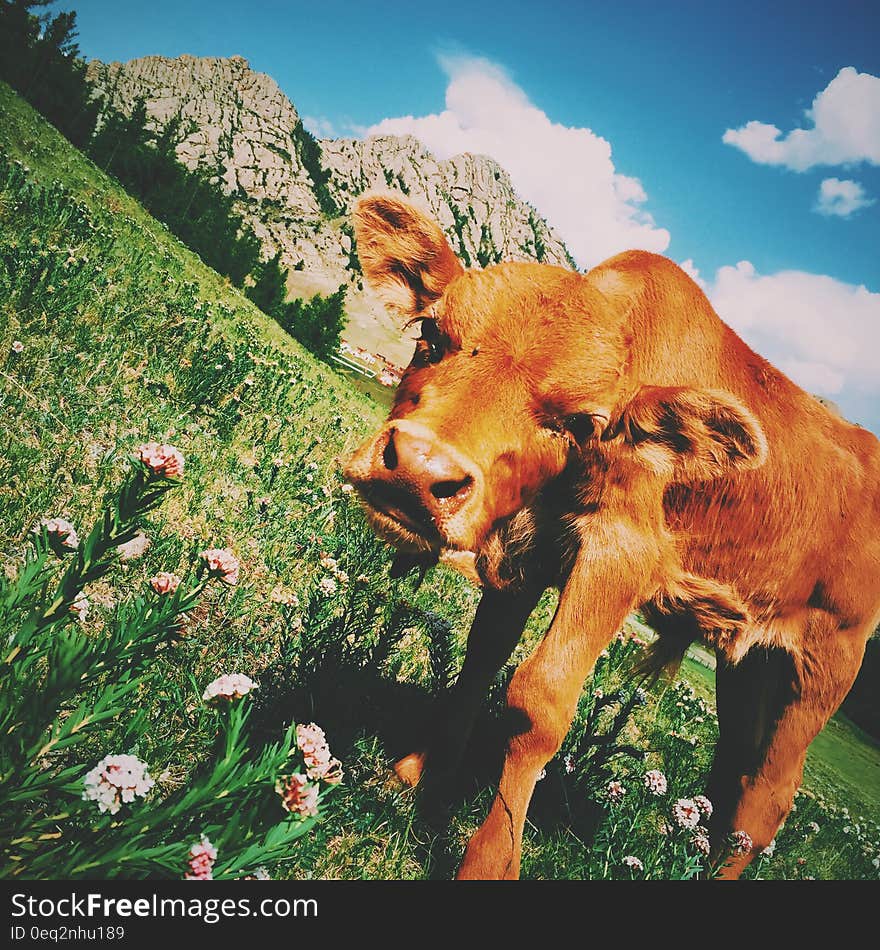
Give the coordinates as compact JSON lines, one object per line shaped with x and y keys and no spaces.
{"x":841,"y":198}
{"x":320,"y":127}
{"x":845,"y":119}
{"x":565,"y":172}
{"x":823,"y":333}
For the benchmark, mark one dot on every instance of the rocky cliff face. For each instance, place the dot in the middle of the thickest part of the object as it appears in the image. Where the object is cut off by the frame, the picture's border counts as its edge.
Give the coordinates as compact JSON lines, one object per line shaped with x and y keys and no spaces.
{"x":298,"y":197}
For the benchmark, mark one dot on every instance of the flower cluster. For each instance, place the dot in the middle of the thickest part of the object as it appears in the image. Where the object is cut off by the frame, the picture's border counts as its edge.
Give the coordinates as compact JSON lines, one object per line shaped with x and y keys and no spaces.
{"x":162,"y":460}
{"x":298,"y":795}
{"x":633,"y":863}
{"x":320,"y":764}
{"x":228,"y":687}
{"x":615,"y":792}
{"x":330,"y":583}
{"x":700,"y":840}
{"x":686,"y":813}
{"x":165,"y":583}
{"x":61,"y":533}
{"x":202,"y":857}
{"x":80,"y":607}
{"x":655,"y":782}
{"x":133,"y":549}
{"x":117,"y":779}
{"x":704,"y":805}
{"x":222,"y":564}
{"x":741,"y":842}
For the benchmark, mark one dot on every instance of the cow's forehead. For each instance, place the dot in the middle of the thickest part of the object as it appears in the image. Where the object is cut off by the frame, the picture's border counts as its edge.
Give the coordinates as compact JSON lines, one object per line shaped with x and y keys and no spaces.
{"x":548,"y":327}
{"x":508,"y":297}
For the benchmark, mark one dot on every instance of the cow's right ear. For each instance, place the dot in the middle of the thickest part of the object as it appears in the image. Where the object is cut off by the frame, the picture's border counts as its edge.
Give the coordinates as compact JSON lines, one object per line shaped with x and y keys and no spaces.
{"x":690,"y":435}
{"x":403,"y":253}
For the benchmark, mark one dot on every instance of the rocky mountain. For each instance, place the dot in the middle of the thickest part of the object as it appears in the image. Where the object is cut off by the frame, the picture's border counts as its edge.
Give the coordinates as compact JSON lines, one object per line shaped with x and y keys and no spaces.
{"x":297,"y":192}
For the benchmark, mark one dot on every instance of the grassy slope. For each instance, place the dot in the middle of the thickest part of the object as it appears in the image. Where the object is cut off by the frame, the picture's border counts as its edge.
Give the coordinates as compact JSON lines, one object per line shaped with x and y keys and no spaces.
{"x":149,"y":343}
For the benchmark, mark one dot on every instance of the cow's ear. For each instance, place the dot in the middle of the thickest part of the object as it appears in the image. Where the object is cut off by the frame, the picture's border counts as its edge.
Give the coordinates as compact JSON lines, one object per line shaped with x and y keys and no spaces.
{"x":404,"y":254}
{"x":690,"y":435}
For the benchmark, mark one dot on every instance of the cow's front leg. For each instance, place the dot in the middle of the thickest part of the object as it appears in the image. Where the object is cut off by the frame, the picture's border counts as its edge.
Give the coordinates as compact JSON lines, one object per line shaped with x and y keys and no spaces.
{"x":498,"y":624}
{"x":543,"y":696}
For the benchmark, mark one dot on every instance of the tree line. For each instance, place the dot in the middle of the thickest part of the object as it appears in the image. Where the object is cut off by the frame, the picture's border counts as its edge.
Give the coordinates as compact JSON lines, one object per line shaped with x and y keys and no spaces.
{"x":39,"y":58}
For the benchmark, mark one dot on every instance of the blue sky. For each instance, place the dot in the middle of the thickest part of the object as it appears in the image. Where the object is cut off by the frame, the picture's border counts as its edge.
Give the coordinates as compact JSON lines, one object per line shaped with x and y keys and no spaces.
{"x":661,"y":84}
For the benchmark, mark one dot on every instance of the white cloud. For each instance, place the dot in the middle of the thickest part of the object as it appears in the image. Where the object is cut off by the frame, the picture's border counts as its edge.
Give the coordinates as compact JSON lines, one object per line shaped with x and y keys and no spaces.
{"x":845,"y":130}
{"x":567,"y":173}
{"x":320,"y":127}
{"x":841,"y":198}
{"x":693,"y":272}
{"x":823,"y":333}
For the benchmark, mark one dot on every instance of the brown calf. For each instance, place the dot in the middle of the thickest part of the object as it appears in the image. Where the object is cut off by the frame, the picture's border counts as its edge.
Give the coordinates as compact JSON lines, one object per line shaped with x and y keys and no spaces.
{"x":609,"y":435}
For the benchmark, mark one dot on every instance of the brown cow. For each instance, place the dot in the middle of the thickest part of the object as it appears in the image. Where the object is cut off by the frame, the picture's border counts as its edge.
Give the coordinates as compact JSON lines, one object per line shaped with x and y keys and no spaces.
{"x":606,"y":433}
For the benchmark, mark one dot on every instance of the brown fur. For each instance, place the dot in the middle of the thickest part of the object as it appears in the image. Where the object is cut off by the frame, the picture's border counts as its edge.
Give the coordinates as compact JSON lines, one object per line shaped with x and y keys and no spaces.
{"x":608,"y":434}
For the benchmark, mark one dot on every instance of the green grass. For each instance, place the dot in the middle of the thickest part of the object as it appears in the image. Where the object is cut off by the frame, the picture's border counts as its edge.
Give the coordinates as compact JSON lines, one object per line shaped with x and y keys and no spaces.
{"x":127,"y":336}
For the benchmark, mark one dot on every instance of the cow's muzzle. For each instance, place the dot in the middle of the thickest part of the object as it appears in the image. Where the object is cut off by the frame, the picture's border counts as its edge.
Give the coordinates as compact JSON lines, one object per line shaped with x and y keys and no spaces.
{"x":416,"y":482}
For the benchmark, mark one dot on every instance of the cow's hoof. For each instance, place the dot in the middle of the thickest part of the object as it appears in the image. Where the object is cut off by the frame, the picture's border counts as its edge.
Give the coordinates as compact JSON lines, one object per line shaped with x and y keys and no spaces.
{"x":409,"y":769}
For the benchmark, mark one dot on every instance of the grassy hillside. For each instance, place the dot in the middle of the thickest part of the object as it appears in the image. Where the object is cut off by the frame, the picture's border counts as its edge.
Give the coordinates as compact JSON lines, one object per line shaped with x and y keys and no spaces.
{"x":126,"y":336}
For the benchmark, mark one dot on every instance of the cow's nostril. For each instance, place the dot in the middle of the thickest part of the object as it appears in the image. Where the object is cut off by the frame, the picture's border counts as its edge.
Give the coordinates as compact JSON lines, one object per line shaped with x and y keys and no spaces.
{"x":451,"y":488}
{"x":389,"y":453}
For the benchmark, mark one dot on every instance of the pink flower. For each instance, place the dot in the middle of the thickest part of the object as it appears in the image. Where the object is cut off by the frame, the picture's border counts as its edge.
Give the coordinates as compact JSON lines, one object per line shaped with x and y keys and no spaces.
{"x":165,"y":583}
{"x":700,"y":840}
{"x":741,"y":842}
{"x":655,"y":782}
{"x":17,"y":346}
{"x":222,"y":564}
{"x":316,"y":754}
{"x":228,"y":687}
{"x":60,"y":532}
{"x":686,"y":813}
{"x":633,"y":863}
{"x":298,"y":795}
{"x":134,"y":548}
{"x":80,"y":607}
{"x":117,"y":779}
{"x":202,"y":857}
{"x":615,"y":792}
{"x":704,"y":805}
{"x":161,"y":459}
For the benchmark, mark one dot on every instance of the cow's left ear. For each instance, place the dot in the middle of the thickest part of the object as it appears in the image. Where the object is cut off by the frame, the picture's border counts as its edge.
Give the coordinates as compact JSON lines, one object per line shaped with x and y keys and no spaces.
{"x":691,"y":435}
{"x":404,"y":254}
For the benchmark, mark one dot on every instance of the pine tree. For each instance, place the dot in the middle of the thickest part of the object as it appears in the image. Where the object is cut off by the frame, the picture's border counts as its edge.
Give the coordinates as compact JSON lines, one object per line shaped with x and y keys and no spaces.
{"x":270,"y":287}
{"x":40,"y":59}
{"x":318,"y":323}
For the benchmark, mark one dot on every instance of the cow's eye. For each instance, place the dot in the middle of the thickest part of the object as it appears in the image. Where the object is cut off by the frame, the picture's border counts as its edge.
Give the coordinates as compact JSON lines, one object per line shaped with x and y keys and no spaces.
{"x":432,"y":344}
{"x":580,"y":425}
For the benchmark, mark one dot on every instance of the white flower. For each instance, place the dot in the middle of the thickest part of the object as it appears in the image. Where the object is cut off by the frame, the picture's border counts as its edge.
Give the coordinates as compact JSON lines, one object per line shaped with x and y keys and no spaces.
{"x":700,"y":840}
{"x":686,"y":813}
{"x":741,"y":842}
{"x":347,"y":489}
{"x":117,"y":779}
{"x":568,"y":762}
{"x":769,"y":851}
{"x":655,"y":782}
{"x":614,"y":792}
{"x":60,"y":531}
{"x":80,"y":607}
{"x":134,"y":548}
{"x":632,"y":862}
{"x":17,"y":346}
{"x":704,"y":805}
{"x":541,"y":775}
{"x":327,"y":586}
{"x":329,"y":563}
{"x":229,"y":686}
